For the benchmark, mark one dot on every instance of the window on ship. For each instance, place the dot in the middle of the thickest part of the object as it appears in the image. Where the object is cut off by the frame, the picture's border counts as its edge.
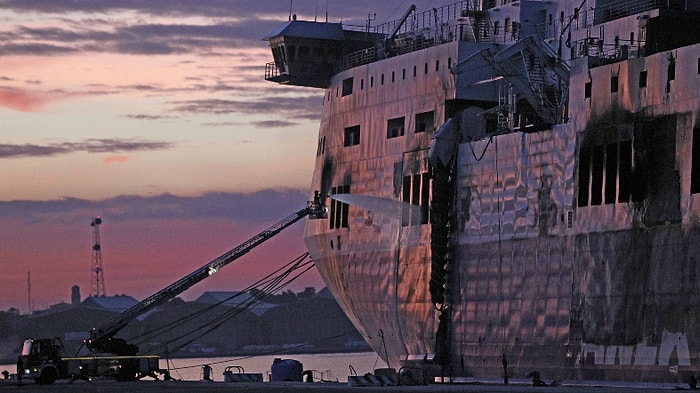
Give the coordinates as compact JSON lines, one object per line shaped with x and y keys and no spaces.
{"x":352,"y":136}
{"x":672,"y":70}
{"x":347,"y":86}
{"x":338,"y":216}
{"x":304,"y":53}
{"x":321,"y":149}
{"x":425,"y":121}
{"x":588,"y":89}
{"x":695,"y":168}
{"x":416,"y":191}
{"x":395,"y":127}
{"x":605,"y":174}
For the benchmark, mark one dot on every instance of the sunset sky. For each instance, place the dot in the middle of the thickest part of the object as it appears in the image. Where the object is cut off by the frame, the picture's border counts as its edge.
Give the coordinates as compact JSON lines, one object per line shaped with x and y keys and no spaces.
{"x":154,"y":115}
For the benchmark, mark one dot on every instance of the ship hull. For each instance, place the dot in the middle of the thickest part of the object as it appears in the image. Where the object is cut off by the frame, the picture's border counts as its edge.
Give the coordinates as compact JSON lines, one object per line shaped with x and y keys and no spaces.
{"x":522,"y":199}
{"x":534,"y":289}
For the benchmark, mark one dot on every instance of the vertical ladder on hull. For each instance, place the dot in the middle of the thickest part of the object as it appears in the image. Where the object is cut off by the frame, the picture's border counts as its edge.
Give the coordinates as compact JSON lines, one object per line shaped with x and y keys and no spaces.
{"x":504,"y":108}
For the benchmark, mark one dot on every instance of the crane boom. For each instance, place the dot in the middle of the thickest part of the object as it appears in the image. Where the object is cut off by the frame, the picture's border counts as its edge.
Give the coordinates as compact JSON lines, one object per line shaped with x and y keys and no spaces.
{"x":401,"y":21}
{"x":102,"y":337}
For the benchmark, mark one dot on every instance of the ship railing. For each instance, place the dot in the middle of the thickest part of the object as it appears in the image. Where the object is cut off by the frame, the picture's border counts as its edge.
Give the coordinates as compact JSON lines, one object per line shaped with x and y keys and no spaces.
{"x":355,"y":59}
{"x":413,"y":44}
{"x":272,"y":71}
{"x":421,"y":30}
{"x":430,"y":18}
{"x":511,"y":34}
{"x":594,"y":47}
{"x":580,"y":20}
{"x":616,"y":9}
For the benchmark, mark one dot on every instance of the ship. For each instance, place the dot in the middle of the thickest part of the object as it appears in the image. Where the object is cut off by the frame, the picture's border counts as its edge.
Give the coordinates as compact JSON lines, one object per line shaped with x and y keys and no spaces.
{"x":513,"y":186}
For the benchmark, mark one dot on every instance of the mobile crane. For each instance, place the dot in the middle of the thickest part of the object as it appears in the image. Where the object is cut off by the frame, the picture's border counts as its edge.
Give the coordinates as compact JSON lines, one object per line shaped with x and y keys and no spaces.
{"x":42,"y":359}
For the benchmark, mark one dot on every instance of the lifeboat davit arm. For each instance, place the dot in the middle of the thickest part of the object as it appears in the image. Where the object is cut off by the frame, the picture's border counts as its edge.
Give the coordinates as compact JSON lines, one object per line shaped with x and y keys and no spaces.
{"x":511,"y":64}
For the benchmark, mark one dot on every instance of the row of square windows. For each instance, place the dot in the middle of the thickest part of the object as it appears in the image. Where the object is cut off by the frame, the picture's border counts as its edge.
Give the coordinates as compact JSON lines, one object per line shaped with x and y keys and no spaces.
{"x":606,"y":174}
{"x":395,"y":128}
{"x":615,"y":80}
{"x":349,"y":83}
{"x":415,"y":191}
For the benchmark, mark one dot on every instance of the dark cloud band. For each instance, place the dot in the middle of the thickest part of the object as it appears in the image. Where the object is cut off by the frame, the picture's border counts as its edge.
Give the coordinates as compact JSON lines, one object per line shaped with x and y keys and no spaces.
{"x":262,"y":206}
{"x":89,"y":145}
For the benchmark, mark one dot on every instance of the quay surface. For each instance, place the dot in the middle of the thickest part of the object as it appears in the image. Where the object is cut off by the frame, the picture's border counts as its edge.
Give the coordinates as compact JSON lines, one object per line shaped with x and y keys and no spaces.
{"x":105,"y":386}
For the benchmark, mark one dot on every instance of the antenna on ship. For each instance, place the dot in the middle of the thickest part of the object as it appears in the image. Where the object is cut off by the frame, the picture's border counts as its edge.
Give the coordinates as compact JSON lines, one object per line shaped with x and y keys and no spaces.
{"x":370,"y":18}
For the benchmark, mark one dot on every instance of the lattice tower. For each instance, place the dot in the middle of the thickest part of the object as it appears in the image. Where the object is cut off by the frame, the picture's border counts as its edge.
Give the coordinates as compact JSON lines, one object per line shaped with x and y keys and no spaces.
{"x":97,"y":284}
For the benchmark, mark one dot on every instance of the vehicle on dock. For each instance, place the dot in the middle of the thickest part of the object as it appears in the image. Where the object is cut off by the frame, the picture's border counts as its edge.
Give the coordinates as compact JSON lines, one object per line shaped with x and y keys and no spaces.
{"x":43,"y":362}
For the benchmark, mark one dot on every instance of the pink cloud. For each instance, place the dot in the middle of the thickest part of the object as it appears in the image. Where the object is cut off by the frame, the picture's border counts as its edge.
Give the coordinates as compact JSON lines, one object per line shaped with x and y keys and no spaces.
{"x":21,"y":101}
{"x":109,"y":160}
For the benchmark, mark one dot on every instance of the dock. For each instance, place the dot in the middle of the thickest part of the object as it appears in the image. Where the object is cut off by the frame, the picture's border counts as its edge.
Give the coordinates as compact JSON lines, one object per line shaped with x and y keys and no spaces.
{"x":108,"y":386}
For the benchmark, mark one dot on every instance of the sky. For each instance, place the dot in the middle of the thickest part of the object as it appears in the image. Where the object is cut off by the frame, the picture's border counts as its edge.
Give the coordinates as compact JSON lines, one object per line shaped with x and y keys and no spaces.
{"x":155,"y":116}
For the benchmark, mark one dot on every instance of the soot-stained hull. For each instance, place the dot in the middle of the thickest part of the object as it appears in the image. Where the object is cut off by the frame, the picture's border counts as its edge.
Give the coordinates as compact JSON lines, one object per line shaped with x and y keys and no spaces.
{"x":515,"y":188}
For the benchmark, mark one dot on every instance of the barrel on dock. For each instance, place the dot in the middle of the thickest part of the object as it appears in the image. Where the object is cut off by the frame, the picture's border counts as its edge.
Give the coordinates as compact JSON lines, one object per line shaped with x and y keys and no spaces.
{"x":286,"y":370}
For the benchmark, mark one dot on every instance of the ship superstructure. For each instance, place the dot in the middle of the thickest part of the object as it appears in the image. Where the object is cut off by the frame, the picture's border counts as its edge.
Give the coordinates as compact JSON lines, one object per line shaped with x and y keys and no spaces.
{"x":513,"y":187}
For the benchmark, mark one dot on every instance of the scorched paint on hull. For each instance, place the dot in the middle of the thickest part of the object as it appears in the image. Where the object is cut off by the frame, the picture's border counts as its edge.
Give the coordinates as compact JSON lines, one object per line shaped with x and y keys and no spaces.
{"x":512,"y":187}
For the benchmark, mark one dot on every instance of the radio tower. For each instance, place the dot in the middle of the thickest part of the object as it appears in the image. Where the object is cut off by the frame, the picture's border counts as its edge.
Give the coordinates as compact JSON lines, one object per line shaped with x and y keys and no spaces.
{"x":97,"y":285}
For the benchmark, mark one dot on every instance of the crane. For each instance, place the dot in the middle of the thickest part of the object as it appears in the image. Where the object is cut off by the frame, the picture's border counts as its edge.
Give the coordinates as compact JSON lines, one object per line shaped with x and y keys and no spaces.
{"x":42,"y":359}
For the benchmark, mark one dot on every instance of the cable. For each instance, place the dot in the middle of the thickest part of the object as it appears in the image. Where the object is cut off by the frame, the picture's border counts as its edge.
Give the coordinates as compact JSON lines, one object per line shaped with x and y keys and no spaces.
{"x":217,"y":321}
{"x":174,"y":324}
{"x":273,"y":283}
{"x":228,"y":316}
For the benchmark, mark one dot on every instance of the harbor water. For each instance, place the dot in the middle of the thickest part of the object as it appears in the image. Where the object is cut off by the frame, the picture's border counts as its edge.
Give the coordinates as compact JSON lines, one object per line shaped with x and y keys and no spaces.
{"x":334,"y":367}
{"x":328,"y":367}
